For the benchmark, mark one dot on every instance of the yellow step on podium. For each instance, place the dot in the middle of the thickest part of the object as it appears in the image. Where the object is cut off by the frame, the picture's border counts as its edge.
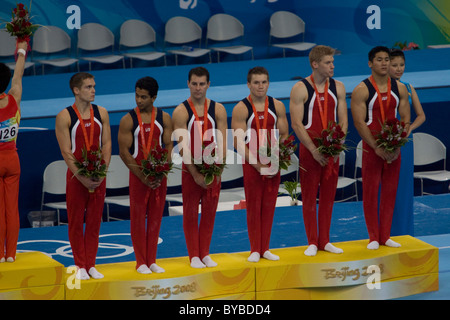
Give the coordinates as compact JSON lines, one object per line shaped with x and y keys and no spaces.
{"x":33,"y":276}
{"x":358,"y":273}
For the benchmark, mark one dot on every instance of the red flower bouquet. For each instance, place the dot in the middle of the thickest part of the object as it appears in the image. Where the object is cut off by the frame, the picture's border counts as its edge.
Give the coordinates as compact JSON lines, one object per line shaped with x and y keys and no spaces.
{"x":21,"y":26}
{"x":91,"y":164}
{"x":332,"y":140}
{"x":281,"y":151}
{"x":210,"y":165}
{"x":392,"y":135}
{"x":287,"y":148}
{"x":157,"y":164}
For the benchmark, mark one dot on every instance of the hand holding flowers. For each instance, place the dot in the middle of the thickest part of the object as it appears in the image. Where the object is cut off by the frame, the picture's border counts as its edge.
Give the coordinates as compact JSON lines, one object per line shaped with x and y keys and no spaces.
{"x":20,"y":25}
{"x":393,"y":135}
{"x":332,"y":140}
{"x":210,"y":166}
{"x":91,"y":165}
{"x":157,"y":165}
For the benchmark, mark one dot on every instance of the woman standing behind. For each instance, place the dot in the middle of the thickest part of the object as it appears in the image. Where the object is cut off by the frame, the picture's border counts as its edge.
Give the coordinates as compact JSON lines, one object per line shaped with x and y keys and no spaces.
{"x":403,"y":213}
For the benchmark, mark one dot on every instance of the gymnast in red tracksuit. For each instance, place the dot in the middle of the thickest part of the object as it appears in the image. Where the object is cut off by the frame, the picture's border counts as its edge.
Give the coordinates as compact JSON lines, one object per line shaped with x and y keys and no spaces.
{"x":84,"y":125}
{"x":9,"y":159}
{"x":194,"y":118}
{"x":265,"y":115}
{"x":140,"y":131}
{"x":375,"y":100}
{"x":315,"y":102}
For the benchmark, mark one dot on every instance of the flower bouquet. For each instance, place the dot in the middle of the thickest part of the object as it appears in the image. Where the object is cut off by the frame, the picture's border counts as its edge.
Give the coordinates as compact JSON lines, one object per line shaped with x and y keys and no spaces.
{"x":210,"y":166}
{"x":332,"y":140}
{"x":157,"y":164}
{"x":392,"y":135}
{"x":92,"y":164}
{"x":287,"y":148}
{"x":280,"y":152}
{"x":20,"y":25}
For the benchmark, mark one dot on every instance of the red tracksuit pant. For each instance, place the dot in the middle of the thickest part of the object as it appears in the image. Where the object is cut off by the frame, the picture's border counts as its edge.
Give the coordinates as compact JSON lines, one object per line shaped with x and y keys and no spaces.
{"x":313,"y":175}
{"x":261,"y":198}
{"x":84,"y":207}
{"x":376,"y":171}
{"x":198,"y":236}
{"x":146,"y":203}
{"x":9,"y":203}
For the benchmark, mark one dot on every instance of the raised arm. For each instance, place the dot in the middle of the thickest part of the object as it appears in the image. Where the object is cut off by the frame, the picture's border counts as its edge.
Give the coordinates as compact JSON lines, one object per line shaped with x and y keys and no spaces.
{"x":16,"y":82}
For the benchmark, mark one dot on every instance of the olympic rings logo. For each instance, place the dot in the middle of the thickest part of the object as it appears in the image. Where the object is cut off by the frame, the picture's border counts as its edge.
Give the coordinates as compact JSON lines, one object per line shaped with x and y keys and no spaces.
{"x":66,"y":250}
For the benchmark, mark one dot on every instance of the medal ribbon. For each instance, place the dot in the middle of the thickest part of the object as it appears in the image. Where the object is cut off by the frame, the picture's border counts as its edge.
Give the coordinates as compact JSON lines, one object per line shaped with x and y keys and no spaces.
{"x":380,"y":99}
{"x":258,"y":124}
{"x":146,"y":146}
{"x":323,"y":111}
{"x":83,"y":127}
{"x":197,"y":118}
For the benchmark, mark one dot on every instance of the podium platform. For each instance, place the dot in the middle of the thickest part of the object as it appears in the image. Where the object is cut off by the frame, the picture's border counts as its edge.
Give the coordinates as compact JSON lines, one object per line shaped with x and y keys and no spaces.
{"x":33,"y":276}
{"x":231,"y":279}
{"x":358,"y":273}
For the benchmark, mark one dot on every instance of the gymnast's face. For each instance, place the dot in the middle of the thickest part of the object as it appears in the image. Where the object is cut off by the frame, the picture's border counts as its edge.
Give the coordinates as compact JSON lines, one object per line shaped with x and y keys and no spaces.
{"x":258,"y":85}
{"x":380,"y":63}
{"x":325,"y":66}
{"x":397,"y":67}
{"x":143,"y":99}
{"x":87,"y":90}
{"x":198,"y":86}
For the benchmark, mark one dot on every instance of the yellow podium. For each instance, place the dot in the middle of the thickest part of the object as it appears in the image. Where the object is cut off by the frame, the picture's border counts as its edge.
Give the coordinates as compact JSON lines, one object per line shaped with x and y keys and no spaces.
{"x":358,"y":273}
{"x":33,"y":276}
{"x":230,"y":280}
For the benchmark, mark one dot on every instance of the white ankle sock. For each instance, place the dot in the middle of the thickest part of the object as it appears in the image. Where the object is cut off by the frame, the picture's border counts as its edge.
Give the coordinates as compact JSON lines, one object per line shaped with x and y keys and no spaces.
{"x":143,"y":269}
{"x":330,"y":248}
{"x":197,"y":263}
{"x":254,"y":257}
{"x":374,"y":245}
{"x":270,"y":256}
{"x":392,"y":244}
{"x":210,"y":263}
{"x":95,"y":274}
{"x":311,"y":251}
{"x":157,"y":269}
{"x":82,"y":274}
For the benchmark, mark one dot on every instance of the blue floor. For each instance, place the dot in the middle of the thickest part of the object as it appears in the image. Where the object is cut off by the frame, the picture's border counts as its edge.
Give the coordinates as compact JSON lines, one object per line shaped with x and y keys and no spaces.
{"x":432,"y":225}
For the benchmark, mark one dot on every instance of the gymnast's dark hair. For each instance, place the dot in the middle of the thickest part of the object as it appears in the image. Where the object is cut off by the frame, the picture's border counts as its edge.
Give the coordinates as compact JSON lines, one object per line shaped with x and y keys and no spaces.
{"x":149,"y":84}
{"x":374,"y":51}
{"x":199,"y":72}
{"x":396,"y":53}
